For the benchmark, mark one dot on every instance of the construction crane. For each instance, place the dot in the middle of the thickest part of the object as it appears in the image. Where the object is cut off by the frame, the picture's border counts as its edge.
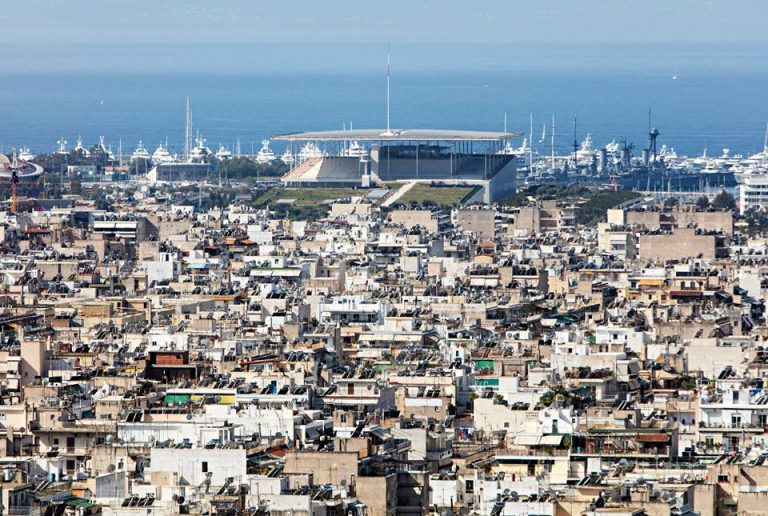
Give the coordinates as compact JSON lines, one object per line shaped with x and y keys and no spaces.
{"x":14,"y":184}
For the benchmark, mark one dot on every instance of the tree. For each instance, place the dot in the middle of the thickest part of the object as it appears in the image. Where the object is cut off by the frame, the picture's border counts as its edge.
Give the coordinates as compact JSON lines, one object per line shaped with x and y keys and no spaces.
{"x":702,"y":202}
{"x":724,"y":201}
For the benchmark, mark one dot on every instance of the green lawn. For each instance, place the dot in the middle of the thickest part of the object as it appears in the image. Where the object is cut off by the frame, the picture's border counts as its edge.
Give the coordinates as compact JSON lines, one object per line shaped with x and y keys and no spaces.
{"x":305,"y":196}
{"x":439,"y":195}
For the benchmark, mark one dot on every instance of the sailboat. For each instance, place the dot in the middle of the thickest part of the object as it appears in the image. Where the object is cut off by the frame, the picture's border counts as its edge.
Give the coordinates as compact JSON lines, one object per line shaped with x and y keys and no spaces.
{"x":543,"y":133}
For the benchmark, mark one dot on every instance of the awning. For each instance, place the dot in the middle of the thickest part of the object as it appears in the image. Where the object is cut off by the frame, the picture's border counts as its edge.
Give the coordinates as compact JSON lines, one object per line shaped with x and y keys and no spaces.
{"x":652,"y":438}
{"x":528,"y":440}
{"x":551,"y":440}
{"x":79,"y":502}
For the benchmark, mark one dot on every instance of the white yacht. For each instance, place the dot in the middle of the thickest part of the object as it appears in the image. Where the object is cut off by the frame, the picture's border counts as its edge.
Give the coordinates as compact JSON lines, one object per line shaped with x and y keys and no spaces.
{"x":761,"y":158}
{"x":25,"y":155}
{"x":161,"y":155}
{"x":585,"y":152}
{"x":110,"y":155}
{"x":310,"y":150}
{"x":668,"y":153}
{"x":612,"y":148}
{"x":200,"y":152}
{"x":522,"y":153}
{"x":140,"y":153}
{"x":80,"y":148}
{"x":355,"y":150}
{"x":102,"y":150}
{"x":265,"y":155}
{"x":223,"y":153}
{"x":287,"y":157}
{"x":62,"y":143}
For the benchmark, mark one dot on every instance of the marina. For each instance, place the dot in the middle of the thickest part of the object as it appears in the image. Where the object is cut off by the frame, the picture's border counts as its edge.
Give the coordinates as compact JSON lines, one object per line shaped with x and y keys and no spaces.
{"x":542,"y":159}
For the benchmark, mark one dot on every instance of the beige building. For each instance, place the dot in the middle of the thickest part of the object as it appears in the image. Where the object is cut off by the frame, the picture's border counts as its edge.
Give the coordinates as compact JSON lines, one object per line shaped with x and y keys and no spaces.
{"x":681,"y":244}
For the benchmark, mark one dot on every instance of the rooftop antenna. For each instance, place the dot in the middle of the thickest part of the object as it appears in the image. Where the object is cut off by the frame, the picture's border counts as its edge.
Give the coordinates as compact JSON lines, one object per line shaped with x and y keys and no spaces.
{"x":389,"y":132}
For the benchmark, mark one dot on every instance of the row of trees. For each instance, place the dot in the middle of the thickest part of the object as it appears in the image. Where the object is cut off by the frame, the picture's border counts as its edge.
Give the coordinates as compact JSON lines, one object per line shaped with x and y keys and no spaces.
{"x":244,"y":168}
{"x":722,"y":201}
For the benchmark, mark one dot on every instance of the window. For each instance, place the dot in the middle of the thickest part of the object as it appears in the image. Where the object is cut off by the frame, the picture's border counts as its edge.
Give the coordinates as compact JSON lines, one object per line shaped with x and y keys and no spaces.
{"x":735,"y":396}
{"x":350,"y":388}
{"x":205,"y":466}
{"x":736,"y":419}
{"x":722,"y":478}
{"x":469,"y":486}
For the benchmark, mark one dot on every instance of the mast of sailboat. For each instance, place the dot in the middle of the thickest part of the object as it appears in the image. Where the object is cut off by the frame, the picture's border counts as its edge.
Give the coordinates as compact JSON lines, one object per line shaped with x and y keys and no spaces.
{"x":530,"y":143}
{"x":552,"y":143}
{"x":188,"y":133}
{"x":575,"y":142}
{"x":120,"y":152}
{"x":765,"y":145}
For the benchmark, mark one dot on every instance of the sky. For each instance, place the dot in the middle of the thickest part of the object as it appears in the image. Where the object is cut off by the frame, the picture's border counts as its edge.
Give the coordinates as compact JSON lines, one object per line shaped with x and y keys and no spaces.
{"x":297,"y":34}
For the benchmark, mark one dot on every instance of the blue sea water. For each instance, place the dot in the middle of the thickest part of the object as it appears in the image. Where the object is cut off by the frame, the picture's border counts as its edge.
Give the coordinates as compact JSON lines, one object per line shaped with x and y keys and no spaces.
{"x":703,"y":108}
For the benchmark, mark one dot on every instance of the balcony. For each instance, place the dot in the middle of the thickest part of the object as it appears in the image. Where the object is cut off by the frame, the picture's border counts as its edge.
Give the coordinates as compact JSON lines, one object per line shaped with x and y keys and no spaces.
{"x":757,"y":428}
{"x":658,"y":452}
{"x":522,"y":452}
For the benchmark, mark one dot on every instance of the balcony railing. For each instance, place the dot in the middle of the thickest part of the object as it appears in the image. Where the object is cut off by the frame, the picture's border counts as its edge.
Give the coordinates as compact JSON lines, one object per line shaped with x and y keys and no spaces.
{"x":534,"y":452}
{"x":23,"y":510}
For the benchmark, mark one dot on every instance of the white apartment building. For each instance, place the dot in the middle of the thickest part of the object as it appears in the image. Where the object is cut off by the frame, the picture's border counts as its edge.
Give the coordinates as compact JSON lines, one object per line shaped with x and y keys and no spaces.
{"x":753,"y":192}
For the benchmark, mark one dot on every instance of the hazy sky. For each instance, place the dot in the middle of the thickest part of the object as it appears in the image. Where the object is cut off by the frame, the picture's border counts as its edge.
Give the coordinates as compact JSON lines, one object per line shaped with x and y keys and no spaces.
{"x":40,"y":33}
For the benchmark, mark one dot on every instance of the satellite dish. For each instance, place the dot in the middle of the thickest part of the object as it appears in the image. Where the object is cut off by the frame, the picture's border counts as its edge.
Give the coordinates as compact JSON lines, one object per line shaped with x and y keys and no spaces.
{"x":111,"y":468}
{"x":343,"y":482}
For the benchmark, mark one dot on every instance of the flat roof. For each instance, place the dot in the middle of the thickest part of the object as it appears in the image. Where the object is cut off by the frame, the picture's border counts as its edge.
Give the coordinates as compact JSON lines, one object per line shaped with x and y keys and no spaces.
{"x":399,"y":135}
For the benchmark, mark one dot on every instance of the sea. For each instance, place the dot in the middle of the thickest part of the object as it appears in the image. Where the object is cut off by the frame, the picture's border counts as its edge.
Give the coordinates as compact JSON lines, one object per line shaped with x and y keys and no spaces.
{"x":694,"y":107}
